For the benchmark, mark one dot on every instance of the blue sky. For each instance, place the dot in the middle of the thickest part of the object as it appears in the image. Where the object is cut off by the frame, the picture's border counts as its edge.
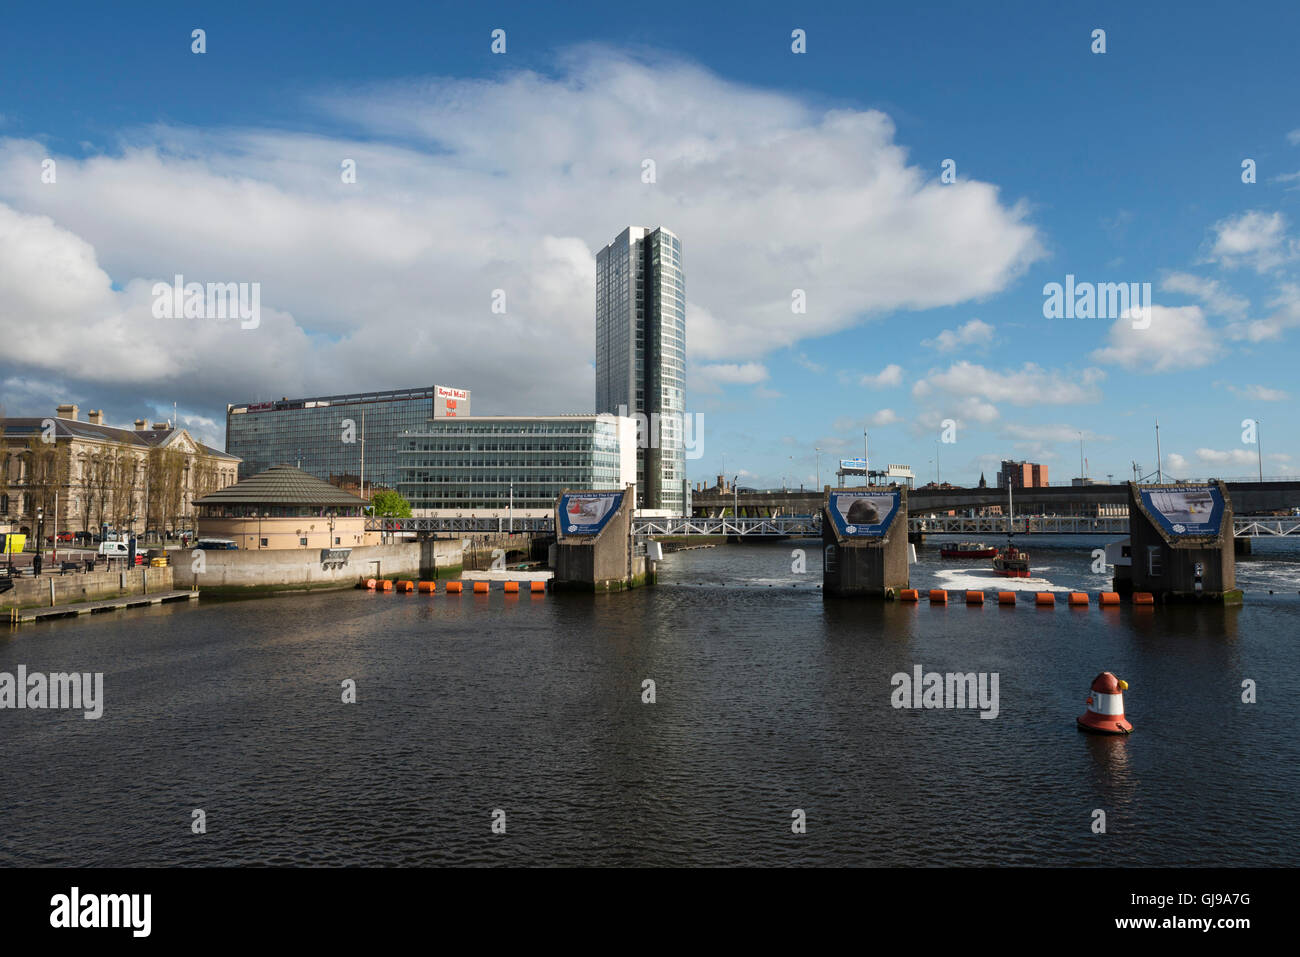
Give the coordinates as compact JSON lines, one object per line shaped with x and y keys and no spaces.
{"x":818,"y":171}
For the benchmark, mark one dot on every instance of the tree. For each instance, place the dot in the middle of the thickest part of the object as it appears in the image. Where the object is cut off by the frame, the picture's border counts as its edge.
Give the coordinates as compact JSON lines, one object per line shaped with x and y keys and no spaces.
{"x":47,"y":473}
{"x":123,"y":465}
{"x":4,"y":466}
{"x":389,"y":504}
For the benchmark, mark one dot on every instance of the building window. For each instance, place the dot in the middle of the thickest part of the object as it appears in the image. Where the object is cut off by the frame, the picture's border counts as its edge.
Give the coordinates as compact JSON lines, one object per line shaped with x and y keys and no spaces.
{"x":1155,"y":566}
{"x":263,"y":545}
{"x":302,"y":542}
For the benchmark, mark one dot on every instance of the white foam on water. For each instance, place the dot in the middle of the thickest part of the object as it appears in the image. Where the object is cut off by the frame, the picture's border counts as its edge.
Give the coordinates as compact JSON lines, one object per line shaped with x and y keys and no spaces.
{"x":985,"y":579}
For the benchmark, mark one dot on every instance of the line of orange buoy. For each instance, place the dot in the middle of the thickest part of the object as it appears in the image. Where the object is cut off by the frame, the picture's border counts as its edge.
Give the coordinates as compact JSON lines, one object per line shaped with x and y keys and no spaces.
{"x":1042,"y":599}
{"x":535,"y":586}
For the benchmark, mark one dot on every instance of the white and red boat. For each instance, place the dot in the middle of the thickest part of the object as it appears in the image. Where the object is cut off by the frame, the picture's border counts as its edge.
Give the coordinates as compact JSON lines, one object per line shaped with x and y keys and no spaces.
{"x":1009,"y":561}
{"x":967,"y":550}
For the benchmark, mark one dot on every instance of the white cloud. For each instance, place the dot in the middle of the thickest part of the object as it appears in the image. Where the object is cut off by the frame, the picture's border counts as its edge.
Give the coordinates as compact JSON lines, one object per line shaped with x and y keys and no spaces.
{"x":466,"y":186}
{"x":1252,"y":239}
{"x":1027,"y":386}
{"x":972,"y":333}
{"x":1210,"y":291}
{"x":1293,"y":137}
{"x":1256,"y":393}
{"x":1228,"y":457}
{"x":884,"y":417}
{"x":890,"y":375}
{"x":1286,"y":315}
{"x":1177,"y":338}
{"x":1057,"y":432}
{"x":710,"y":378}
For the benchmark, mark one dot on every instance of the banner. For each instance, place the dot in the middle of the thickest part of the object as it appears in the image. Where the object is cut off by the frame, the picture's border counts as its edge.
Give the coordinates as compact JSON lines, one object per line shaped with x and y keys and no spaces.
{"x":586,"y":513}
{"x":864,"y":513}
{"x":1186,"y":510}
{"x":12,"y":543}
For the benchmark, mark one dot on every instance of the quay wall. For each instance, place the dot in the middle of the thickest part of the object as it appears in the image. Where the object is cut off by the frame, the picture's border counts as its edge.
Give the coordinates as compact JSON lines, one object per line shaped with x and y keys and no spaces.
{"x":86,"y":586}
{"x":301,"y":569}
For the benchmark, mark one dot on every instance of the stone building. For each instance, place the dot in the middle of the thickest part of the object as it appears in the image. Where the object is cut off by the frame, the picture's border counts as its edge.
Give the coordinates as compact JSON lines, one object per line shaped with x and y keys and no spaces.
{"x":145,"y":478}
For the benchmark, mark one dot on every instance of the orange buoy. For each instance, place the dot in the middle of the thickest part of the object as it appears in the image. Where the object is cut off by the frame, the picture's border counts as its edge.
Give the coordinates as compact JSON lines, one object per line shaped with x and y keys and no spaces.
{"x":385,"y":585}
{"x":512,"y":587}
{"x":1079,"y":598}
{"x":538,"y":587}
{"x":909,"y":594}
{"x":1006,"y":598}
{"x":1108,"y":598}
{"x":453,"y":588}
{"x":1045,"y":598}
{"x":428,"y":588}
{"x":370,"y":584}
{"x":1143,"y":598}
{"x":974,"y":598}
{"x":480,"y":588}
{"x":406,"y":586}
{"x":1105,"y":711}
{"x":938,"y":596}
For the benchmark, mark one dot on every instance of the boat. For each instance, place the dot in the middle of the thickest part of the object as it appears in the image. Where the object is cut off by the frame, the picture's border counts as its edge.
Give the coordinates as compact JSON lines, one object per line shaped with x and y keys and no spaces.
{"x":967,"y":550}
{"x":1010,"y":561}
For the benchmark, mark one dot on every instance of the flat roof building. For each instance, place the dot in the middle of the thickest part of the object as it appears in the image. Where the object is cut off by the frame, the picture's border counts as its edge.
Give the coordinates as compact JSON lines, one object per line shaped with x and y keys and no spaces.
{"x":489,"y":464}
{"x":337,"y":437}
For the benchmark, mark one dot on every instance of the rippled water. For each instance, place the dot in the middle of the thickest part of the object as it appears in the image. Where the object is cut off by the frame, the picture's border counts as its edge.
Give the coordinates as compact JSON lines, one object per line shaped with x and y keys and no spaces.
{"x":768,"y":700}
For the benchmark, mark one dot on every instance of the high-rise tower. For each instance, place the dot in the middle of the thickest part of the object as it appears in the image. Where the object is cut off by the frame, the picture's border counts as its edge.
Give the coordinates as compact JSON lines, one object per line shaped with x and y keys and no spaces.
{"x":641,"y":354}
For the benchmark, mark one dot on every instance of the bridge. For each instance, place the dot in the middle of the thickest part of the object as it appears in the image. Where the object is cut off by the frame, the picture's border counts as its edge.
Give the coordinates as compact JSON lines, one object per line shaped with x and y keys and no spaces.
{"x":805,"y":526}
{"x":1248,"y":498}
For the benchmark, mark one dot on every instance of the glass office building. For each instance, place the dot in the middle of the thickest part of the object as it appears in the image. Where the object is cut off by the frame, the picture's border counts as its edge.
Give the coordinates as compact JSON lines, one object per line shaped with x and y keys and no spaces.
{"x":328,"y":436}
{"x":494,"y":463}
{"x":641,"y":353}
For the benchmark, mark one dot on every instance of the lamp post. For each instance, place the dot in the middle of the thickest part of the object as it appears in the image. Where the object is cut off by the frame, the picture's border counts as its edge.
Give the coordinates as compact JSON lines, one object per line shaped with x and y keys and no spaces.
{"x":819,"y":469}
{"x":1259,"y":450}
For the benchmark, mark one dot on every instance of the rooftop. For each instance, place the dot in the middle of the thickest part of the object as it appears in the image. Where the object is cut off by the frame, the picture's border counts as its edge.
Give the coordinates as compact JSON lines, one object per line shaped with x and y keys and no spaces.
{"x":282,"y":485}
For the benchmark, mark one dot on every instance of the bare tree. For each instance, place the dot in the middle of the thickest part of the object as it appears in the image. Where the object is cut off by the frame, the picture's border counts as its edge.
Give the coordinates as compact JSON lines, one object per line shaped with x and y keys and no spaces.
{"x":47,"y":473}
{"x":123,"y":467}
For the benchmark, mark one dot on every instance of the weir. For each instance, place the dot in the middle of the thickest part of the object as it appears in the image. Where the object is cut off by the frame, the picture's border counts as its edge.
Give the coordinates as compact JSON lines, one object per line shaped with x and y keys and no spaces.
{"x":864,"y":542}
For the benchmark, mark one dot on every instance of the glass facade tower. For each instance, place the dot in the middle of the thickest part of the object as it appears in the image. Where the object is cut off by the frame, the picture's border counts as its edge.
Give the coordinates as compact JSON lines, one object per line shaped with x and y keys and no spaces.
{"x":641,"y":354}
{"x":323,"y":436}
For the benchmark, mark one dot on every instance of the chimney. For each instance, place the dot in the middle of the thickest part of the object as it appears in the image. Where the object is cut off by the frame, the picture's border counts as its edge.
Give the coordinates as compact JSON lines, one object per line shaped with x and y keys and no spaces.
{"x":161,"y":426}
{"x":95,"y":416}
{"x":66,"y":411}
{"x":140,"y":424}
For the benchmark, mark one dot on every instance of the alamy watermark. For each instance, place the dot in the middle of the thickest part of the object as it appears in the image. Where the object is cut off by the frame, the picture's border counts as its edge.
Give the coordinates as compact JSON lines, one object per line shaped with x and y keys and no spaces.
{"x":952,"y":690}
{"x":666,"y":430}
{"x":214,"y":300}
{"x":1102,"y":300}
{"x":57,"y":690}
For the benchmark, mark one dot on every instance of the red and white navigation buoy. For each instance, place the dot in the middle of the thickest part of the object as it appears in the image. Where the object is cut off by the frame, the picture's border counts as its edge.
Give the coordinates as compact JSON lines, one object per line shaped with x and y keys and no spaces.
{"x":1105,"y":714}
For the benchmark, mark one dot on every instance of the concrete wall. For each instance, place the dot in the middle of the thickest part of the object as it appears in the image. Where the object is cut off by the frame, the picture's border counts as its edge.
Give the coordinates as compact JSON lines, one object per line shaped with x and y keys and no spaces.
{"x":296,"y":568}
{"x":86,"y":586}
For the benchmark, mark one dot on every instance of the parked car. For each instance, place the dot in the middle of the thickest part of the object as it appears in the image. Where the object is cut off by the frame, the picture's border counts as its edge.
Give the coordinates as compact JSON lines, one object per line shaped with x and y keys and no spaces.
{"x":216,"y":544}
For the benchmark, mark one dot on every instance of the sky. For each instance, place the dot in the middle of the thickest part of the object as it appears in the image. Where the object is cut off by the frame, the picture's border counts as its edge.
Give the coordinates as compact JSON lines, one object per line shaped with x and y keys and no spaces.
{"x":868,"y":226}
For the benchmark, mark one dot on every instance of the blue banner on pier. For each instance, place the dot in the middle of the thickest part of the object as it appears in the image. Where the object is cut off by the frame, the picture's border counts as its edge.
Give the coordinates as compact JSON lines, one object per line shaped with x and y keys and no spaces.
{"x":586,"y":513}
{"x":864,"y":513}
{"x":1187,"y":509}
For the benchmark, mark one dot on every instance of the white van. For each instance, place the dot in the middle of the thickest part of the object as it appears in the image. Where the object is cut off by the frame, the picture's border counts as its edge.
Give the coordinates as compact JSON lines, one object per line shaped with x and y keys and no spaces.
{"x":114,"y":549}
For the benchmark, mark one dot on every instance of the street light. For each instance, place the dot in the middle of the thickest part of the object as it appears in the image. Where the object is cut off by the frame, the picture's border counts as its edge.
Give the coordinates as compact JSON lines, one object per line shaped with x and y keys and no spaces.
{"x":819,"y":469}
{"x":1259,"y":450}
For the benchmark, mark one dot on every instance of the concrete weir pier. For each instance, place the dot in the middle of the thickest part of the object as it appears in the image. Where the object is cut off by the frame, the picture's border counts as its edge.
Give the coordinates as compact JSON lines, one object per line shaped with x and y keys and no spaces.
{"x":1182,"y":544}
{"x":864,"y":542}
{"x":594,"y":548}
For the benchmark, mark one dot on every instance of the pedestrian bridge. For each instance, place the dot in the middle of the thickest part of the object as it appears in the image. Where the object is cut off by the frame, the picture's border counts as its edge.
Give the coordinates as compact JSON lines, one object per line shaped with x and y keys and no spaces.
{"x":804,"y":526}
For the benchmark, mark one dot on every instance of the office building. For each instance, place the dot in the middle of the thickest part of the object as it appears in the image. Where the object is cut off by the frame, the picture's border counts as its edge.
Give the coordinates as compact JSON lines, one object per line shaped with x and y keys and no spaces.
{"x":1022,"y":475}
{"x":484,"y":466}
{"x":641,"y":354}
{"x":344,"y":439}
